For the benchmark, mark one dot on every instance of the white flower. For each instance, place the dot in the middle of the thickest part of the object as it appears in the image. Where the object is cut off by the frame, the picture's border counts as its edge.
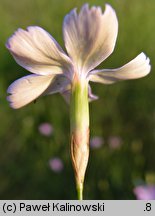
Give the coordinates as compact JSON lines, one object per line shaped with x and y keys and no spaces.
{"x":89,"y":38}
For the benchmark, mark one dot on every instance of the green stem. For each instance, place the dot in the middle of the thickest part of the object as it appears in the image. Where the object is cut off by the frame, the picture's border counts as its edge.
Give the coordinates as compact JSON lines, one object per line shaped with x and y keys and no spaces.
{"x":79,"y":114}
{"x":79,"y":120}
{"x":80,"y":192}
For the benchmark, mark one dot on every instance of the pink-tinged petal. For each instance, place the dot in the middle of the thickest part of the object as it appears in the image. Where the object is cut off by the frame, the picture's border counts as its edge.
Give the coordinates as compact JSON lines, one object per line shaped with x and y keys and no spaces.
{"x":59,"y":84}
{"x":66,"y":94}
{"x":28,"y":88}
{"x":137,"y":68}
{"x":90,"y":36}
{"x":38,"y":52}
{"x":91,"y":96}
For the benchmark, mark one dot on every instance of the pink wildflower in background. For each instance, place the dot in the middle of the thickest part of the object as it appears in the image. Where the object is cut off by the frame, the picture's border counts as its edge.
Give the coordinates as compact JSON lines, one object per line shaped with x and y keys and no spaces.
{"x":56,"y":164}
{"x":45,"y":129}
{"x":96,"y":142}
{"x":115,"y":142}
{"x":145,"y":192}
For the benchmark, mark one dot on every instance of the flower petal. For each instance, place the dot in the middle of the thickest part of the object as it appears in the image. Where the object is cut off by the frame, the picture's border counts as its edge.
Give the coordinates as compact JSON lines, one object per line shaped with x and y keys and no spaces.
{"x":91,"y":96}
{"x":90,"y":36}
{"x":28,"y":88}
{"x":66,"y":95}
{"x":137,"y":68}
{"x":38,"y":52}
{"x":59,"y":84}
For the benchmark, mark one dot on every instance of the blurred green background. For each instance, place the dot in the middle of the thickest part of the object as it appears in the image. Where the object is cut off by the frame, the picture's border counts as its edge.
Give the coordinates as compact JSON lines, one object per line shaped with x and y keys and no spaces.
{"x":125,"y":112}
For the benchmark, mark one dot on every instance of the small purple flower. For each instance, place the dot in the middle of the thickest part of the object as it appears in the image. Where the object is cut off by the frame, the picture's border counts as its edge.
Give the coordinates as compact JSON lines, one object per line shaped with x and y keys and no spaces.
{"x":96,"y":142}
{"x":145,"y":192}
{"x":114,"y":142}
{"x":45,"y":129}
{"x":56,"y":164}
